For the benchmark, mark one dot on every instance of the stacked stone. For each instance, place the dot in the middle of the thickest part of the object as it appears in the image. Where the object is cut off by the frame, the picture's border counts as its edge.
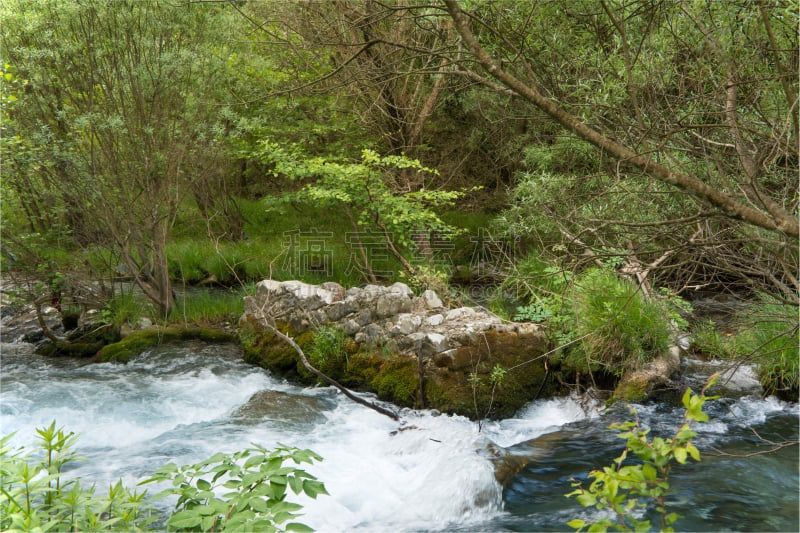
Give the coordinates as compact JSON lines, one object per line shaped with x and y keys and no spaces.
{"x":374,"y":315}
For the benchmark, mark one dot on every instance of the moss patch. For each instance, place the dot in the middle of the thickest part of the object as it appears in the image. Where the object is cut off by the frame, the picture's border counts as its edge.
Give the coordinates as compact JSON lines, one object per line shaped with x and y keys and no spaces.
{"x":397,"y":381}
{"x":447,"y":382}
{"x":465,"y":385}
{"x":263,"y":348}
{"x":449,"y":392}
{"x":631,"y":390}
{"x":138,"y":341}
{"x":82,"y":343}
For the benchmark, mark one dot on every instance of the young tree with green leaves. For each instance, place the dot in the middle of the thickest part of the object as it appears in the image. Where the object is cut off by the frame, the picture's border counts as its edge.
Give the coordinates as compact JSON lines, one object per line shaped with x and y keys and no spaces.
{"x":116,"y":112}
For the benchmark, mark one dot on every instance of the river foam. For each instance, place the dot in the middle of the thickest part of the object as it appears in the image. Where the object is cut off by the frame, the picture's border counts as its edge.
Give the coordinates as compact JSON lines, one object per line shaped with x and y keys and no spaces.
{"x":182,"y":404}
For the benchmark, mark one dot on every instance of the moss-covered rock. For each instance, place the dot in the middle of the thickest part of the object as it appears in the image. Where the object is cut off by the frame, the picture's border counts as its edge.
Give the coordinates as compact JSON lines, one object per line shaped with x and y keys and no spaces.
{"x":138,"y":341}
{"x":491,"y":379}
{"x":397,"y":381}
{"x":70,"y":349}
{"x":390,"y":342}
{"x":81,"y":343}
{"x":263,"y":348}
{"x":655,"y":376}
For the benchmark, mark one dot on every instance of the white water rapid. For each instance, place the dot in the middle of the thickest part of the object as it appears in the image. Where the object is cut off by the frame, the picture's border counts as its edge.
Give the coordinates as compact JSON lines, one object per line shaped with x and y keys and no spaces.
{"x":184,"y":403}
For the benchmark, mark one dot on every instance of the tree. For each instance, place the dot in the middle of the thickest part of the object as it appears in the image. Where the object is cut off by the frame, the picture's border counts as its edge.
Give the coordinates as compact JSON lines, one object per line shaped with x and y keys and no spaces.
{"x":112,"y":118}
{"x":700,"y":97}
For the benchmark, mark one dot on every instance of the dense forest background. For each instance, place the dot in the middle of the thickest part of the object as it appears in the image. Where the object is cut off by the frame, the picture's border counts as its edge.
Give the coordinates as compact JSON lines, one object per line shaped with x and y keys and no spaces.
{"x":502,"y":151}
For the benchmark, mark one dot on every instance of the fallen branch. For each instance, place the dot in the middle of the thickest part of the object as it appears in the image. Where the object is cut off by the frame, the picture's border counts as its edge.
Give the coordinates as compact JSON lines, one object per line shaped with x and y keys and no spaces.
{"x":375,"y":407}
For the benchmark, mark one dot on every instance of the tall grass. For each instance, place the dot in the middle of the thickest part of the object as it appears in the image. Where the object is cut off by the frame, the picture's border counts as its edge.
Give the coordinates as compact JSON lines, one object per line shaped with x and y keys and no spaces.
{"x":127,"y":307}
{"x":768,"y":334}
{"x":207,"y":307}
{"x":619,"y":327}
{"x":278,"y":236}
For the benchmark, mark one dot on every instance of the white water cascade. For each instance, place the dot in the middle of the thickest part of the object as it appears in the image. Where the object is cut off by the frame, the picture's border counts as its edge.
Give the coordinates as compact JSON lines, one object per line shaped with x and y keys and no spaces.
{"x":184,"y":403}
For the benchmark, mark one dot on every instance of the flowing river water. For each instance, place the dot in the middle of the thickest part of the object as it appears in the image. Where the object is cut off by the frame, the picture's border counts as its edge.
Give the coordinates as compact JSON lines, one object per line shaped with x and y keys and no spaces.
{"x":182,"y":403}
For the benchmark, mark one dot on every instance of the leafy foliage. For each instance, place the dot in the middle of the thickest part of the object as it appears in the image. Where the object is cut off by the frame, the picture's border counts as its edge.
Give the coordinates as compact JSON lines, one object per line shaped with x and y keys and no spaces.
{"x":769,"y":335}
{"x":35,"y":495}
{"x":629,"y":489}
{"x":257,"y":484}
{"x":619,"y":326}
{"x":598,"y":318}
{"x":329,"y":343}
{"x":367,"y":192}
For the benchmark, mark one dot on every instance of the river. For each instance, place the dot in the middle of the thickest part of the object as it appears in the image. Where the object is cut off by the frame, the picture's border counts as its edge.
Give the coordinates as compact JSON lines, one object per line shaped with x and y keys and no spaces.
{"x":182,"y":403}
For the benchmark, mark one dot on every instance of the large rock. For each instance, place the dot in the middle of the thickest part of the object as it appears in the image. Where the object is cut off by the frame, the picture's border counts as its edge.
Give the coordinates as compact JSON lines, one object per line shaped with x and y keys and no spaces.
{"x":408,"y":349}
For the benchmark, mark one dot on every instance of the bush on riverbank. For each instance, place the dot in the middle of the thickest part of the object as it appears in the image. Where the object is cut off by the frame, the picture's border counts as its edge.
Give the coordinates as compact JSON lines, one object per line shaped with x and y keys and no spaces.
{"x":769,"y":334}
{"x":598,"y":321}
{"x":766,"y":333}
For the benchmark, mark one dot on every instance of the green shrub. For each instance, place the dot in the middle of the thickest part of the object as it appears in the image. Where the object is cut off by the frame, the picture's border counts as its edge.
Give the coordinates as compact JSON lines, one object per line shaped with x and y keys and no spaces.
{"x":768,"y":334}
{"x":625,"y":489}
{"x":328,"y":351}
{"x":619,"y":327}
{"x":35,"y":496}
{"x":257,"y":484}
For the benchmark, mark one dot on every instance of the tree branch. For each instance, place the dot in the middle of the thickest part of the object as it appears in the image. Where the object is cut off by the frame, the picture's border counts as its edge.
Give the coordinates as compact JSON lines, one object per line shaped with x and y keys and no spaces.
{"x":728,"y":204}
{"x":303,"y":359}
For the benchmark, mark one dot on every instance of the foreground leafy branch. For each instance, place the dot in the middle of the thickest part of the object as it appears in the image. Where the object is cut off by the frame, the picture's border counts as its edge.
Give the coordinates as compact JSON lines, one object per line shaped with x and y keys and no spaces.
{"x":619,"y":488}
{"x":257,"y":482}
{"x":34,"y":496}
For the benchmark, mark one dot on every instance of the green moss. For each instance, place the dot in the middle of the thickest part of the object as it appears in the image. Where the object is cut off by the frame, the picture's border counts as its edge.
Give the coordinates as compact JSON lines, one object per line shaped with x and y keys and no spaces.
{"x":69,"y":349}
{"x":138,"y":341}
{"x":397,"y":381}
{"x":450,"y":395}
{"x":263,"y":348}
{"x":82,"y":344}
{"x":631,"y":390}
{"x":362,"y":367}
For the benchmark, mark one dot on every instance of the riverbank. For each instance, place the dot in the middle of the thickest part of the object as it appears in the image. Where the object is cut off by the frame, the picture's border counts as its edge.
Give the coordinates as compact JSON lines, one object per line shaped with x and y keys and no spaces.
{"x":409,"y":350}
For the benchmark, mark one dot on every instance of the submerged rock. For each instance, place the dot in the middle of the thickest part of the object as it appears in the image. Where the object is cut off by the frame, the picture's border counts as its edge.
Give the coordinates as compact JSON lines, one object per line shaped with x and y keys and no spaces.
{"x":284,"y":407}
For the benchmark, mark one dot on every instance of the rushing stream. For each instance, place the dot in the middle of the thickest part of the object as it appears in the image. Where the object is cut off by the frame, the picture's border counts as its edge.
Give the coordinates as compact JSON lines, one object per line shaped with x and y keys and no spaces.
{"x":182,"y":403}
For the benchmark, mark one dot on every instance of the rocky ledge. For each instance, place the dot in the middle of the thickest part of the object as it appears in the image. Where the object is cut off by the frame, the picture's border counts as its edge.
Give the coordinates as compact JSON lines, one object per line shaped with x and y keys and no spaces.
{"x":408,"y":349}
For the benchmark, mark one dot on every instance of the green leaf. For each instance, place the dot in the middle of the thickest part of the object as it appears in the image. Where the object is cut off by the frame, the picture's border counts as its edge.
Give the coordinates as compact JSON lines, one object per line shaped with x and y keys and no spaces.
{"x":296,"y":484}
{"x":686,"y":396}
{"x":576,"y":523}
{"x":202,"y":484}
{"x":298,"y":527}
{"x":208,"y":522}
{"x":313,"y":488}
{"x":184,"y":519}
{"x":693,"y":451}
{"x":680,"y":455}
{"x":586,"y":499}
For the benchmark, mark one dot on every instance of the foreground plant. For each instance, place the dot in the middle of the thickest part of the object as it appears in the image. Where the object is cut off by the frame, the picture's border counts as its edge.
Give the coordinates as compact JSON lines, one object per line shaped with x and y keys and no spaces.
{"x":34,"y":496}
{"x":630,"y":489}
{"x":256,"y":481}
